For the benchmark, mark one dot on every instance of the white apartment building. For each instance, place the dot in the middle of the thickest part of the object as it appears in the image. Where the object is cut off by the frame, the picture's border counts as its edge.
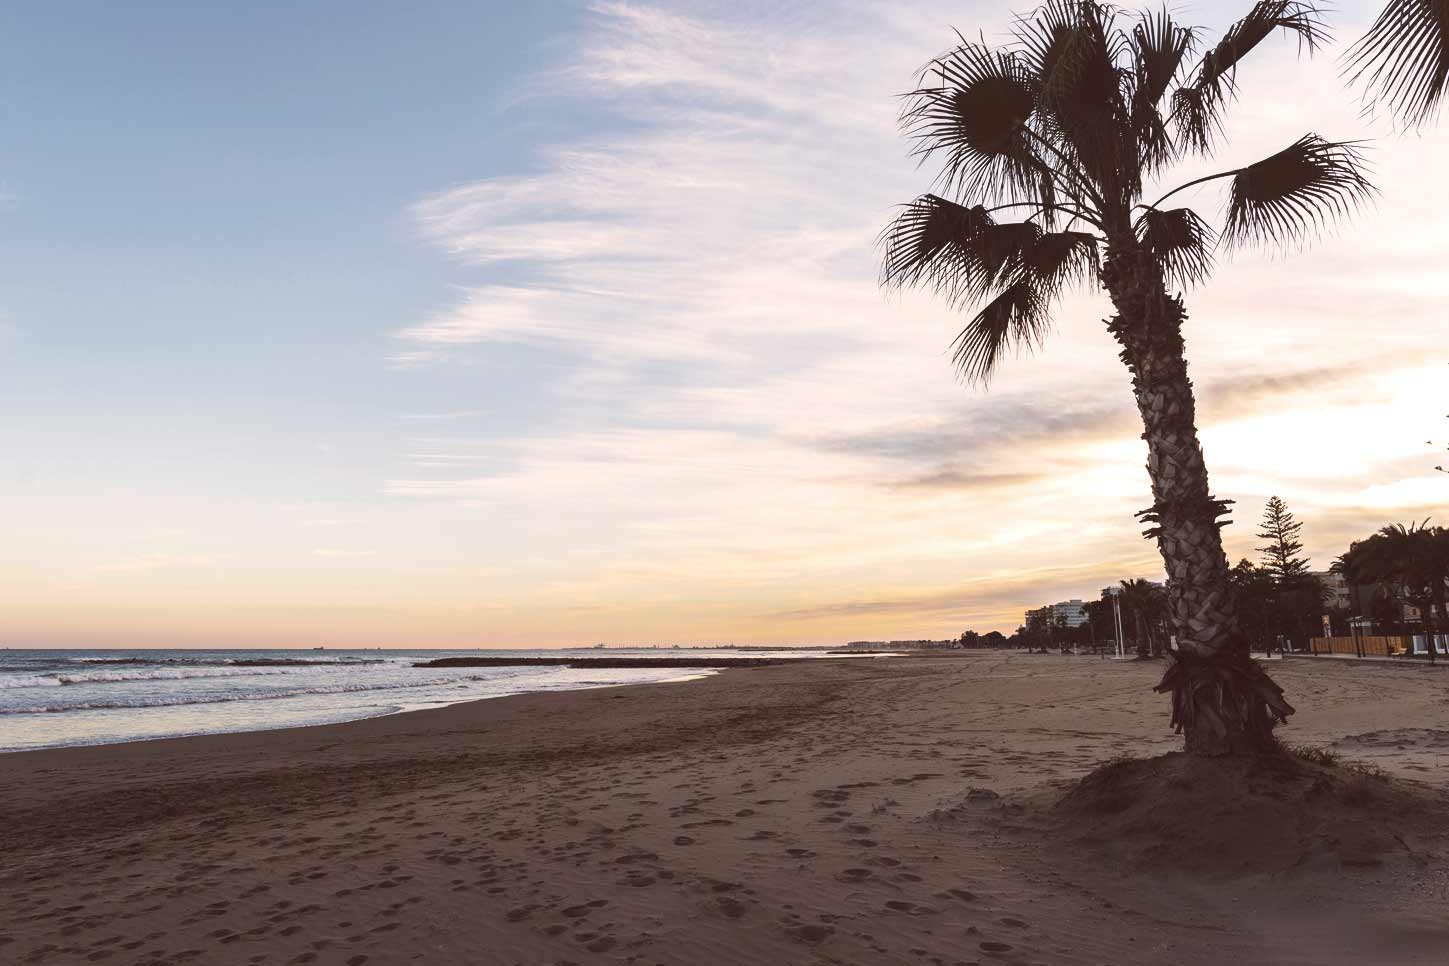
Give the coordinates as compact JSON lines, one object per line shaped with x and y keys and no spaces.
{"x":1071,"y":612}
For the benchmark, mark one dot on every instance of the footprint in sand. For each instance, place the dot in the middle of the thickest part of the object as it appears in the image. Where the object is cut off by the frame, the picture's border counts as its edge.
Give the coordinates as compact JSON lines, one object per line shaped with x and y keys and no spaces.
{"x":855,"y":875}
{"x":634,"y":857}
{"x":810,"y":932}
{"x":730,"y":907}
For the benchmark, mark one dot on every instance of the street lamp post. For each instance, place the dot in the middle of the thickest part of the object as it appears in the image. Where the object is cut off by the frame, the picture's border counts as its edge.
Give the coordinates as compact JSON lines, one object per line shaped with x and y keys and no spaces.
{"x":1116,"y":594}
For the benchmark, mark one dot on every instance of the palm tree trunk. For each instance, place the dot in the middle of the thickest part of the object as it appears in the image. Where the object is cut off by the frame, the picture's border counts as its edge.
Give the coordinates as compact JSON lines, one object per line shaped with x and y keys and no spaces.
{"x":1426,"y":621}
{"x":1439,"y":614}
{"x":1222,"y":701}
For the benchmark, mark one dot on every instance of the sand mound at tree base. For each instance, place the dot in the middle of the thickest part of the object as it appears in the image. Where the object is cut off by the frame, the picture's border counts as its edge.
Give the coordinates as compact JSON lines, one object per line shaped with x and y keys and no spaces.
{"x":1224,"y":818}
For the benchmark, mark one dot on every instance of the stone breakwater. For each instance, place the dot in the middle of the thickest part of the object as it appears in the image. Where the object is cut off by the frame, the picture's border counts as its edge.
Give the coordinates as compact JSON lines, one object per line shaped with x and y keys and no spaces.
{"x":603,"y":662}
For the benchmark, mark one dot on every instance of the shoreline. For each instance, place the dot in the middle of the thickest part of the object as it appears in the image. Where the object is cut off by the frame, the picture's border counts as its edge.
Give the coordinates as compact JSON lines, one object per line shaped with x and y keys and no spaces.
{"x":609,"y":662}
{"x":400,"y":709}
{"x":848,"y":811}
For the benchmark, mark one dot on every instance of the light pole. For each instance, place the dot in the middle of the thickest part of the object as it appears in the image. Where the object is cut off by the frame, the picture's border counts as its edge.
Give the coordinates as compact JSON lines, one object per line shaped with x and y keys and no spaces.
{"x":1116,"y":594}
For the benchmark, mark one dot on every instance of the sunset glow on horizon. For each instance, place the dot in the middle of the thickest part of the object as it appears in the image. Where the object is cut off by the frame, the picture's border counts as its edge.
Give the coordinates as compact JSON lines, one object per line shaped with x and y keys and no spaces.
{"x":452,"y":328}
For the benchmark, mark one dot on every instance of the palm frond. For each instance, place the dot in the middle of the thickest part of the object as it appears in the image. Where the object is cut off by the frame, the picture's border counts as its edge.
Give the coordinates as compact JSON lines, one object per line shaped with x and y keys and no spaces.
{"x":1046,"y":34}
{"x":1296,"y":193}
{"x":1158,"y":47}
{"x":1197,"y":106}
{"x":1179,"y":241}
{"x":1197,"y":116}
{"x":965,"y":256}
{"x":929,"y":242}
{"x":974,"y":114}
{"x":1293,"y":16}
{"x":1404,"y":58}
{"x":1058,"y":259}
{"x":1155,"y":147}
{"x":1015,"y":319}
{"x":1082,"y":98}
{"x":1005,"y":254}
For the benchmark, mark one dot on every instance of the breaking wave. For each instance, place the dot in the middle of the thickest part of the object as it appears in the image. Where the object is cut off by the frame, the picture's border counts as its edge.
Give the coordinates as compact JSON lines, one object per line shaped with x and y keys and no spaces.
{"x":61,"y":678}
{"x":167,"y":701}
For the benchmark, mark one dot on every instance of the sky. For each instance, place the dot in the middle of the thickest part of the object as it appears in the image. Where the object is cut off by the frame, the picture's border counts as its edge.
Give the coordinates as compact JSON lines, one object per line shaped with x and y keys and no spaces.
{"x":493,"y":324}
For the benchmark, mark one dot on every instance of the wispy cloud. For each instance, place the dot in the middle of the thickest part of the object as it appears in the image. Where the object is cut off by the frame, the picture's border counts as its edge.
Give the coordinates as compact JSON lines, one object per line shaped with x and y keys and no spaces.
{"x":754,"y":429}
{"x":159,"y":560}
{"x":455,"y":414}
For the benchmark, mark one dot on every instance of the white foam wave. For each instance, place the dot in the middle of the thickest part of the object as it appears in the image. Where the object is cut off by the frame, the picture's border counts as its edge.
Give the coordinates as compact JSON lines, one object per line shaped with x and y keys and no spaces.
{"x":172,"y":700}
{"x":28,"y":681}
{"x":231,"y":661}
{"x":61,"y":678}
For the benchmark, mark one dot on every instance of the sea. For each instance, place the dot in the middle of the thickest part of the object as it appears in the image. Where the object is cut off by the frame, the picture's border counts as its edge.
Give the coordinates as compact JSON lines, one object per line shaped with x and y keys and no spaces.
{"x":54,"y":698}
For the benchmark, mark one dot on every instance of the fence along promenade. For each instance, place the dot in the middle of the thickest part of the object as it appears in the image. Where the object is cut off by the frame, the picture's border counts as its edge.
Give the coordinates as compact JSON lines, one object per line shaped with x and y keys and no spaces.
{"x":1380,"y":645}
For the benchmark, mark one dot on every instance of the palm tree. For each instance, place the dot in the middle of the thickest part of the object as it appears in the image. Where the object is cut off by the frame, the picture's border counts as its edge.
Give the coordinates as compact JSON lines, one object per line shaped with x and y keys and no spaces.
{"x":1436,"y":551}
{"x":1414,"y":558}
{"x":1144,"y":600}
{"x":1068,"y":123}
{"x":1403,"y":60}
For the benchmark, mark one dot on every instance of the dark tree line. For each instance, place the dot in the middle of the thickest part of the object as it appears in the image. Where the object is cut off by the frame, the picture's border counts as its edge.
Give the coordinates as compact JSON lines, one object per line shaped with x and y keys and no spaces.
{"x":1404,"y":565}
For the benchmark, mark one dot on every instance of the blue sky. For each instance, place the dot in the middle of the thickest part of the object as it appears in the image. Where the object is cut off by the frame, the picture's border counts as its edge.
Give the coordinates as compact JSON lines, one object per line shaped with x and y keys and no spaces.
{"x":206,"y":226}
{"x":210,"y":193}
{"x":552,"y":322}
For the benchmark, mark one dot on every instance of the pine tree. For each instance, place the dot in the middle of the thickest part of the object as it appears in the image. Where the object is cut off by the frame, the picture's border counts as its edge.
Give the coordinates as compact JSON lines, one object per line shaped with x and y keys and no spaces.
{"x":1281,"y":555}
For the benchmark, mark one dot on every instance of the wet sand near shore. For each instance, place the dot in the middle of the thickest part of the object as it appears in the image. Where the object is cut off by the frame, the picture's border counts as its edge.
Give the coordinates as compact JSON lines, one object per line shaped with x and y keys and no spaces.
{"x":822,"y":812}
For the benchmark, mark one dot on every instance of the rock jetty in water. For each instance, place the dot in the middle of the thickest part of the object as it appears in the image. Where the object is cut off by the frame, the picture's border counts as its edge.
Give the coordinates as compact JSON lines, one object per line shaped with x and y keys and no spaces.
{"x":604,"y":662}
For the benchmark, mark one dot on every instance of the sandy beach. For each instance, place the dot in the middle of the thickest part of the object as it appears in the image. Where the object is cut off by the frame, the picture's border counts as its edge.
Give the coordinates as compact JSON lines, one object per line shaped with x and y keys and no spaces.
{"x":825,"y":812}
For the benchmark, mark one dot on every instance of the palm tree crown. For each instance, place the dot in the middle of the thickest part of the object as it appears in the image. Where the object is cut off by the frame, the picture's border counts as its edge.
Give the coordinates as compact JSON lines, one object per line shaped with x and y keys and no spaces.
{"x":1068,"y":123}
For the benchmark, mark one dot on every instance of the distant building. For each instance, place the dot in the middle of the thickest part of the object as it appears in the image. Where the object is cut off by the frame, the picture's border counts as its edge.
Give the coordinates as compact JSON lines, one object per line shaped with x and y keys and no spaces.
{"x":1073,"y":613}
{"x":915,"y":645}
{"x":1336,"y":592}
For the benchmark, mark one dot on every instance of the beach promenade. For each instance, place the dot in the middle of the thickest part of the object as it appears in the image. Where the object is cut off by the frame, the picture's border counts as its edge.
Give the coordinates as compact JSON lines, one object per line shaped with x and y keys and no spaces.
{"x":889,"y":811}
